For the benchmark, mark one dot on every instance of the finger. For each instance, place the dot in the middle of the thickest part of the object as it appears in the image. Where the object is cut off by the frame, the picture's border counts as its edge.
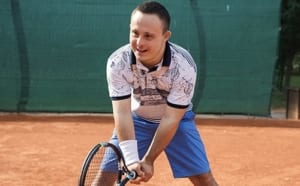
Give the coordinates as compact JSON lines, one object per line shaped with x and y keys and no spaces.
{"x":140,"y":172}
{"x":140,"y":176}
{"x":136,"y":181}
{"x":147,"y":177}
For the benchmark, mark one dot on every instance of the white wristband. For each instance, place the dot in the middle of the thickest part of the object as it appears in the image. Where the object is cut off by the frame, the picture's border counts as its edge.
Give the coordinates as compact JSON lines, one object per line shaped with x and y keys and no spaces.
{"x":130,"y":151}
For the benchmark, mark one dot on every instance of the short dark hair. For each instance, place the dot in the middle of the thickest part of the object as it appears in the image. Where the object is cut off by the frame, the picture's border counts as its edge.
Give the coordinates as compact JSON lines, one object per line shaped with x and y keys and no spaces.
{"x":153,"y":7}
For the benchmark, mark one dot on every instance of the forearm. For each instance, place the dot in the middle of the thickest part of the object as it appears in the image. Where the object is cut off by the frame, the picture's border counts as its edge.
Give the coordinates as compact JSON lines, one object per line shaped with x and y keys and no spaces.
{"x":164,"y":134}
{"x":125,"y":130}
{"x":162,"y":138}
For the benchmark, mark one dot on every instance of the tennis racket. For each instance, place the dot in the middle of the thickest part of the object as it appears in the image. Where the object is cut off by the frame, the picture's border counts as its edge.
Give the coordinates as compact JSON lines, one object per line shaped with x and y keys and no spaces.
{"x":104,"y":165}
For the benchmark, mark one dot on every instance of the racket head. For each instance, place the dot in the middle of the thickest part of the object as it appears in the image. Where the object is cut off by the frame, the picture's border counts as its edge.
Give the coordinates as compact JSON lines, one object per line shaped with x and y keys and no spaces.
{"x":92,"y":162}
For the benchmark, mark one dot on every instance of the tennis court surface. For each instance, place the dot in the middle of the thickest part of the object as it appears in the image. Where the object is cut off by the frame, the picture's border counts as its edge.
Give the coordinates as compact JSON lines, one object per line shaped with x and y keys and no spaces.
{"x":38,"y":150}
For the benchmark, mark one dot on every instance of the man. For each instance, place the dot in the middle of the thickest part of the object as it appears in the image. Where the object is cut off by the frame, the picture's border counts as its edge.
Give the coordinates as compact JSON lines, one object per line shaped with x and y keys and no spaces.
{"x":151,"y":83}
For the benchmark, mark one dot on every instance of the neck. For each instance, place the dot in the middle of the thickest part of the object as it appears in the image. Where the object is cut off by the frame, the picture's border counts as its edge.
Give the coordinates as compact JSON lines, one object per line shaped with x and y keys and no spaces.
{"x":155,"y":61}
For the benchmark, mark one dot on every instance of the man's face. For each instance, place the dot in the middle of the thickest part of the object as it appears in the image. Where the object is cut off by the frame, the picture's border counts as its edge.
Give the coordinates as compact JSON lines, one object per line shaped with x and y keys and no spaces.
{"x":147,"y":38}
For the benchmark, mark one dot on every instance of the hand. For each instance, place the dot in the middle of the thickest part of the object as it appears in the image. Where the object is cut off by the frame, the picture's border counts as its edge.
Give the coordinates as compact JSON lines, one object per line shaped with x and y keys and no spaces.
{"x":138,"y":169}
{"x":144,"y":171}
{"x":148,"y":170}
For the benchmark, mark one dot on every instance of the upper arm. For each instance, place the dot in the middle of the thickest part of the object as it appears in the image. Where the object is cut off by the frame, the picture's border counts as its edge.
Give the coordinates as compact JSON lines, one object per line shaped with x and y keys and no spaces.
{"x":123,"y":119}
{"x":173,"y":115}
{"x":121,"y":107}
{"x":119,"y":79}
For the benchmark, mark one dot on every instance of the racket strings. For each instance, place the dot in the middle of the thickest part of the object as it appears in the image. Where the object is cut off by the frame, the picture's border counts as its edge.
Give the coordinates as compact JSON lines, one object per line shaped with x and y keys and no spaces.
{"x":103,"y":168}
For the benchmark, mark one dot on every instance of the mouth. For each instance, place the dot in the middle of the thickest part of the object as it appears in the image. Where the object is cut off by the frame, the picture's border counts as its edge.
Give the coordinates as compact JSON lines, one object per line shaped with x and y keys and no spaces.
{"x":140,"y":51}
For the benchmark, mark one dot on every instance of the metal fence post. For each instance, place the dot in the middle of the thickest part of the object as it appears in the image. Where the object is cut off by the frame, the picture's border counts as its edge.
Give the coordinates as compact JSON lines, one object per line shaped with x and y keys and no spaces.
{"x":293,"y":103}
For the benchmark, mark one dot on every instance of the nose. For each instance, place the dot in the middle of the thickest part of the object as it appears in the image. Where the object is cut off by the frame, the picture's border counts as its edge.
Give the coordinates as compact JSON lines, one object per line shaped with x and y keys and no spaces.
{"x":139,"y":41}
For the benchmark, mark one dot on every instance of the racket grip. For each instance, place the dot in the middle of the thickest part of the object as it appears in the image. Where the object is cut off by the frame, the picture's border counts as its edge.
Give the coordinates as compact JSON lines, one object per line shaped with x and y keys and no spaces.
{"x":129,"y":176}
{"x":132,"y":175}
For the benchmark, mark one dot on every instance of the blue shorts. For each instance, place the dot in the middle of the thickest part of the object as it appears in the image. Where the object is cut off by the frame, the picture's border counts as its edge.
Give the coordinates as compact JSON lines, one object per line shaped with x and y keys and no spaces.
{"x":186,"y":152}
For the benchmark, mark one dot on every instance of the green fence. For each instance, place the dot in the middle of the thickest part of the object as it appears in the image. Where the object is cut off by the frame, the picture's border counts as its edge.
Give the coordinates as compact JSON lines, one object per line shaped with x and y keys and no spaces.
{"x":53,"y":53}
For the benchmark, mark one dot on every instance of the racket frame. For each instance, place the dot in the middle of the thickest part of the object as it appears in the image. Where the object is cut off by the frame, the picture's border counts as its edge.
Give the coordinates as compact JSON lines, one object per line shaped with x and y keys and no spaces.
{"x":122,"y":168}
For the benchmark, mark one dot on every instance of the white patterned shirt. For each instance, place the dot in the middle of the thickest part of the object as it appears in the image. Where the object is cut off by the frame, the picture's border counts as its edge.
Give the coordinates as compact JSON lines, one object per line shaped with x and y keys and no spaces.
{"x":171,"y":82}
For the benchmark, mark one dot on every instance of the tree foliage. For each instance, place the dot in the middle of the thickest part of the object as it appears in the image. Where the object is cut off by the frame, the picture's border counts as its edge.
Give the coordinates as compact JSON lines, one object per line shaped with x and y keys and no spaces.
{"x":289,"y":41}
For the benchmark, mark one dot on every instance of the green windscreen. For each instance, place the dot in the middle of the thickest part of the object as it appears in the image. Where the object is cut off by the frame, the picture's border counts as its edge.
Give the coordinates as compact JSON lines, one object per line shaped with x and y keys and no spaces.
{"x":53,"y":53}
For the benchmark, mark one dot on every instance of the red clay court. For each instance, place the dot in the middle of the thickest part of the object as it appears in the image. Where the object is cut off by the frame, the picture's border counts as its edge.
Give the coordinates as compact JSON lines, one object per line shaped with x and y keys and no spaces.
{"x":38,"y":150}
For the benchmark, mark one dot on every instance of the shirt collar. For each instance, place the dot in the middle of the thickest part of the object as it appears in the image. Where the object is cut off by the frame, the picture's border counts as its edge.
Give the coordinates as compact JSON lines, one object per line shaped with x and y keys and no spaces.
{"x":166,"y":59}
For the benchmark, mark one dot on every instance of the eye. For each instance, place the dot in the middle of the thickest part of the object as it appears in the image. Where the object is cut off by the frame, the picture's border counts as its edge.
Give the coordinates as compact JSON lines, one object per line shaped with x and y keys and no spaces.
{"x":134,"y":33}
{"x":148,"y":36}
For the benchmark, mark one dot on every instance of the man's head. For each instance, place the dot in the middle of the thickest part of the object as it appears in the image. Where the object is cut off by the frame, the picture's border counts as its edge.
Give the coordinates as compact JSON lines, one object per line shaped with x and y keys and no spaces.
{"x":152,"y":7}
{"x":149,"y":32}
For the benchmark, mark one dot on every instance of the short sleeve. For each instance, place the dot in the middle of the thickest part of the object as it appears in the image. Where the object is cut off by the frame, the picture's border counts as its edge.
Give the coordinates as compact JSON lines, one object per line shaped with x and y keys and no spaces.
{"x":119,"y":76}
{"x":184,"y":74}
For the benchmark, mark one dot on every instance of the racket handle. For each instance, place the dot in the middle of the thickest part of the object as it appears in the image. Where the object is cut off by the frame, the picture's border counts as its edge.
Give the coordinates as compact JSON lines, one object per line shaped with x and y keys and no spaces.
{"x":132,"y":175}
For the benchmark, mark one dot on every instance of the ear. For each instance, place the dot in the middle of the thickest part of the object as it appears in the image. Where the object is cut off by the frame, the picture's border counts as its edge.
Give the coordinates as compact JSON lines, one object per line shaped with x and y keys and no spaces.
{"x":167,"y":35}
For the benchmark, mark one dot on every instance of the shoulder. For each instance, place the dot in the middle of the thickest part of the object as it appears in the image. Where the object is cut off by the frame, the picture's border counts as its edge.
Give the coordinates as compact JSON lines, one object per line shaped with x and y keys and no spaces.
{"x":122,"y":53}
{"x":180,"y":55}
{"x":119,"y":59}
